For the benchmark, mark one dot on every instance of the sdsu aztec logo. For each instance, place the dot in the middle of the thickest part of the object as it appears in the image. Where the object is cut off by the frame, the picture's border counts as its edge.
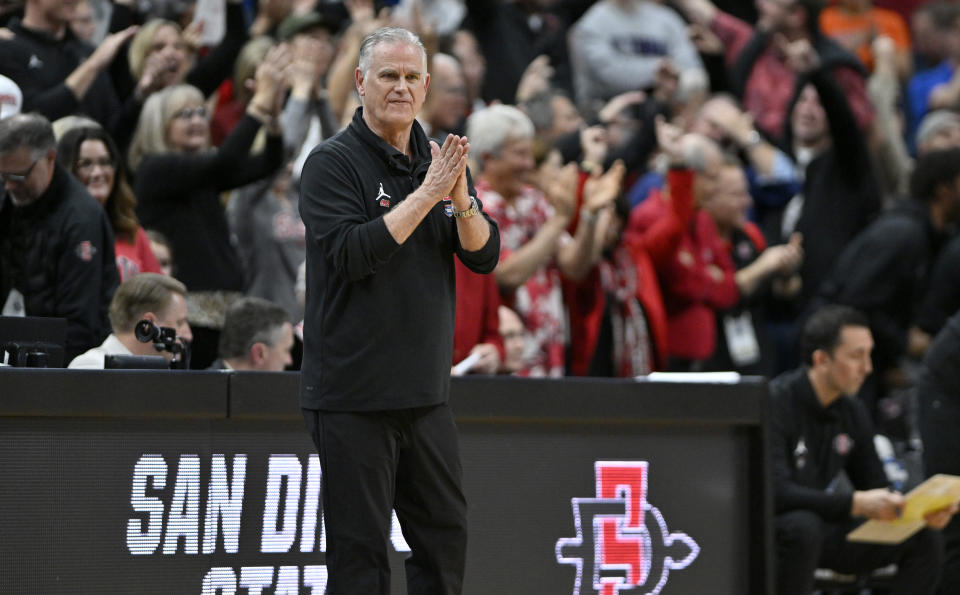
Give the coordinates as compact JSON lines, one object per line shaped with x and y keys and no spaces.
{"x":622,"y":543}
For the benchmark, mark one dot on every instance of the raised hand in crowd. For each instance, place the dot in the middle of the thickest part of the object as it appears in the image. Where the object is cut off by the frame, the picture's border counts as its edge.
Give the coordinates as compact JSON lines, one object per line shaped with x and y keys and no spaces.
{"x":159,"y":71}
{"x":706,"y":41}
{"x":309,"y":60}
{"x":785,"y":259}
{"x":602,"y":188}
{"x":535,"y":79}
{"x":698,"y":11}
{"x":270,"y":14}
{"x":593,"y":145}
{"x":80,"y":80}
{"x":618,"y":103}
{"x":799,"y":54}
{"x":340,"y":82}
{"x":364,"y":19}
{"x":192,"y":36}
{"x":670,"y":141}
{"x":270,"y":86}
{"x":559,"y":184}
{"x":666,"y":82}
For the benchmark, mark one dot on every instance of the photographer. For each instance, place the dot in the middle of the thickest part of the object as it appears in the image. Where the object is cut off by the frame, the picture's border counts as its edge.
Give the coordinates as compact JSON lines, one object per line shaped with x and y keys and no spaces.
{"x":147,"y":296}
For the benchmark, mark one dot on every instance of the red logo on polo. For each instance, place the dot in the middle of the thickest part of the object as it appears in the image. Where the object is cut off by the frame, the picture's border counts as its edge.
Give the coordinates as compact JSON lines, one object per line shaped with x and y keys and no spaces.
{"x":622,"y":542}
{"x":85,"y":251}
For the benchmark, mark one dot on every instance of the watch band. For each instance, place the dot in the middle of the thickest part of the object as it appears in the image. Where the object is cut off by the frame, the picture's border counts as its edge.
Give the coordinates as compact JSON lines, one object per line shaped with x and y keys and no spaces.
{"x":473,"y":210}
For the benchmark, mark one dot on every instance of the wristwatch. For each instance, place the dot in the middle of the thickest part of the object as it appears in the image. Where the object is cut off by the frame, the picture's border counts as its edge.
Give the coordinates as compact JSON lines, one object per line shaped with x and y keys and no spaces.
{"x":753,"y":139}
{"x":473,"y":210}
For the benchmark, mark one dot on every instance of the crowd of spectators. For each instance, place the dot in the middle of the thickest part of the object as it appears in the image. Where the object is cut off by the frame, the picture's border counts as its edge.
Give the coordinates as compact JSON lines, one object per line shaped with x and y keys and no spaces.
{"x":678,"y":184}
{"x":677,"y":187}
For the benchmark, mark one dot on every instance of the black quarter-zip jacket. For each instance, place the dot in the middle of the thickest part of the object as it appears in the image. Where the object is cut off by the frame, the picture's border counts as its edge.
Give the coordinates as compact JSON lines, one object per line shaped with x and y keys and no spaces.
{"x":811,"y":444}
{"x":378,"y":329}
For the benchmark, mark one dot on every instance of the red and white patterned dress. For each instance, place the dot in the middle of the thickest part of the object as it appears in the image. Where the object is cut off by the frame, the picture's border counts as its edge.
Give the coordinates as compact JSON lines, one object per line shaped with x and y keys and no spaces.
{"x":539,"y":301}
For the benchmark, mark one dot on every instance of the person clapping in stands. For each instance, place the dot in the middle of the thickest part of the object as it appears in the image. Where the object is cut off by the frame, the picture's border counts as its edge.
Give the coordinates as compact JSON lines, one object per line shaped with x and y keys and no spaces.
{"x":179,"y":181}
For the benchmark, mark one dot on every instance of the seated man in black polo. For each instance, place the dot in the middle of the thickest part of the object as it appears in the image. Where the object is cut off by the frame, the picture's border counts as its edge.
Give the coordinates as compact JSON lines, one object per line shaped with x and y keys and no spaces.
{"x":819,"y":431}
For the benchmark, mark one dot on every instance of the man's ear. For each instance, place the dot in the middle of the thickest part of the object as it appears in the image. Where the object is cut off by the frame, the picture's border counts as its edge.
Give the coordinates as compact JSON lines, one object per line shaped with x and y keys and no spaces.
{"x":819,"y":357}
{"x":258,"y":352}
{"x":358,"y":80}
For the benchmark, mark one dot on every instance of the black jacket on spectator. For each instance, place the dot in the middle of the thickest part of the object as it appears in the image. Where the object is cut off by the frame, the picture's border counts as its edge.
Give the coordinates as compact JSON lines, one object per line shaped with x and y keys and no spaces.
{"x":812,"y":444}
{"x":840,"y":197}
{"x":883,"y":273}
{"x":378,"y":330}
{"x":943,"y":291}
{"x":58,"y":253}
{"x":178,"y":194}
{"x":40,"y":64}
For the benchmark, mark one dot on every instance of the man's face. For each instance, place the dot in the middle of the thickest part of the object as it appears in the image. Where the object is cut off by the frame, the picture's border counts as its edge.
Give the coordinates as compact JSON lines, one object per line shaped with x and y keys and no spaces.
{"x":952,"y":211}
{"x":317,"y":43}
{"x":730,"y":200}
{"x":394,"y":88}
{"x":36,"y":174}
{"x":55,"y":11}
{"x":276,"y":356}
{"x":514,"y":339}
{"x":510,"y":170}
{"x":566,"y":118}
{"x":946,"y":137}
{"x":175,"y":316}
{"x":448,"y":95}
{"x":162,"y":253}
{"x":849,"y":364}
{"x":466,"y":50}
{"x":82,"y":22}
{"x":808,"y":119}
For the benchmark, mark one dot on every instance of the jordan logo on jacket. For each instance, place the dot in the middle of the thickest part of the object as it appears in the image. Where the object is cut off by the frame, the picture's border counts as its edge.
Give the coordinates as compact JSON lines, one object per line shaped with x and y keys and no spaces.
{"x":383,"y":197}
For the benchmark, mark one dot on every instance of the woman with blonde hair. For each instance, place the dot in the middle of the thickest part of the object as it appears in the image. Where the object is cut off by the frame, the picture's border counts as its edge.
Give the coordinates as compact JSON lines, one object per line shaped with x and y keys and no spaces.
{"x":173,"y":52}
{"x":180,"y":178}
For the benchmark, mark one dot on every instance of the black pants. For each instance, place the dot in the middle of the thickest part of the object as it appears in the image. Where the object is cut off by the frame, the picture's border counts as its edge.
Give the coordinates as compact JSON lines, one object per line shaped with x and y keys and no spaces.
{"x":805,"y":542}
{"x":939,"y":423}
{"x":373,"y":462}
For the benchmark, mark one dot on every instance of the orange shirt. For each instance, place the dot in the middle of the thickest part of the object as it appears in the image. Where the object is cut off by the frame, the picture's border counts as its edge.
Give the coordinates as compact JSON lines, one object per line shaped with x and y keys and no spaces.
{"x":838,"y":23}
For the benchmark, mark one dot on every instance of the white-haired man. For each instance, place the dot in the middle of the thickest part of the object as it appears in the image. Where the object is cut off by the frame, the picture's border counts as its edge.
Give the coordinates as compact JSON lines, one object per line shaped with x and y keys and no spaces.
{"x":378,"y":331}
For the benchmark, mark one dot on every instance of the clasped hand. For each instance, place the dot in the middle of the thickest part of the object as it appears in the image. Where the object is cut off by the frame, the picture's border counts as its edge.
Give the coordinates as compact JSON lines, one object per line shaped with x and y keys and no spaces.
{"x":447,"y":174}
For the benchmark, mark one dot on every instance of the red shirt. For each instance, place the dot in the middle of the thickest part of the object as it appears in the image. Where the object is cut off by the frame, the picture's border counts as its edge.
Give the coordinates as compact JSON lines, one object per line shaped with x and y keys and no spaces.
{"x":477,"y":319}
{"x":135,"y":258}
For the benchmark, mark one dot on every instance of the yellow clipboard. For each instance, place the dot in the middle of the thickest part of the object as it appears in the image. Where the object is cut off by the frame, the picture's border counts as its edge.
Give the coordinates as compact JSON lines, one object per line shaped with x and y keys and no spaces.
{"x":937,"y":492}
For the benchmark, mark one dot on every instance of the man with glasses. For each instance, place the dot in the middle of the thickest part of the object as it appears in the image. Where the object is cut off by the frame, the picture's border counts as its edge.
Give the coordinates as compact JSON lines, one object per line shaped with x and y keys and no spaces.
{"x":56,"y":245}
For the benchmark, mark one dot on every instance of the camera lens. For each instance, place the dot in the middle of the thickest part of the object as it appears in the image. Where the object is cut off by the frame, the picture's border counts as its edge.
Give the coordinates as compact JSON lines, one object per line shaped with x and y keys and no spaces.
{"x":146,"y":331}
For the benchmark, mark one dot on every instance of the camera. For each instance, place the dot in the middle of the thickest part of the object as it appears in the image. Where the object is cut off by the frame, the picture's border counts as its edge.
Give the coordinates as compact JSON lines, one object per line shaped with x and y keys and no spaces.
{"x":164,"y":339}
